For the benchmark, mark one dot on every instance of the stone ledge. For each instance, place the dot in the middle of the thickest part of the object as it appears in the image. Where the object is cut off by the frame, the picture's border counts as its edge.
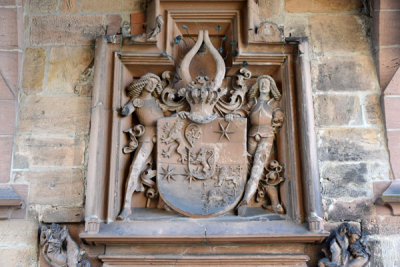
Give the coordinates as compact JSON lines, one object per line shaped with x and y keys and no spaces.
{"x":9,"y":201}
{"x":391,"y":197}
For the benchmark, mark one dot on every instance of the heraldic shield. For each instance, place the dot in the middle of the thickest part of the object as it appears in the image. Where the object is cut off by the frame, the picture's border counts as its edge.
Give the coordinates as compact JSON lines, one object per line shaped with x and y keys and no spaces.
{"x":201,"y":168}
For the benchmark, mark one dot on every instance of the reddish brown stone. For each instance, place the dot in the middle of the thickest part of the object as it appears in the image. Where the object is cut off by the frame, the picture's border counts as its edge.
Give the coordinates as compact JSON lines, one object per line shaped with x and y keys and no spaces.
{"x":6,"y":93}
{"x":9,"y":69}
{"x":113,"y":24}
{"x":388,"y":62}
{"x":137,"y":23}
{"x":386,"y":4}
{"x":47,"y":30}
{"x":322,"y":6}
{"x":7,"y":116}
{"x":7,"y":3}
{"x":8,"y":28}
{"x":394,"y":151}
{"x":392,"y":112}
{"x":388,"y":26}
{"x":394,"y":86}
{"x":6,"y":144}
{"x":330,"y":30}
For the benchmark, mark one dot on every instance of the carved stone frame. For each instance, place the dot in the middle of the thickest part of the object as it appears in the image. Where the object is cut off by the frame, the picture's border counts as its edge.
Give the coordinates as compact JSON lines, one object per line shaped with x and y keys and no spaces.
{"x":116,"y":63}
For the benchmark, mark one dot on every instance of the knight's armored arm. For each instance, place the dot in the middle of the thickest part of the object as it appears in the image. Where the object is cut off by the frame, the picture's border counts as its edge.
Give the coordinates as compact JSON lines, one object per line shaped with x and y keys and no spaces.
{"x":128,"y":109}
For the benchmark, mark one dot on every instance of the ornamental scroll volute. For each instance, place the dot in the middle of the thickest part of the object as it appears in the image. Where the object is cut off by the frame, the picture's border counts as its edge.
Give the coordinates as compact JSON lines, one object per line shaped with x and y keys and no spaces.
{"x":200,"y":149}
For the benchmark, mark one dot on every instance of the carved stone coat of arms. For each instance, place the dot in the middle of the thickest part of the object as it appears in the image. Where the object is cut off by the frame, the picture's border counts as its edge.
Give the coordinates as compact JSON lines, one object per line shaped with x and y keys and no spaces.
{"x":202,"y":149}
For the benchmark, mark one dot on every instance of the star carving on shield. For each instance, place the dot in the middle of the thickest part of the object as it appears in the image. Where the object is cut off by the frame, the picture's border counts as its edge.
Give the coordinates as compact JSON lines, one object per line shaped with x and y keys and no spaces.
{"x":168,"y":173}
{"x":224,"y":131}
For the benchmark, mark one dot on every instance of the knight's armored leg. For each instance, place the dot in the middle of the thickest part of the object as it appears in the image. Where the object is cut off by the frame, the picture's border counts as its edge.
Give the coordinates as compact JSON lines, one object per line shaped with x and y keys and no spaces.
{"x":272,"y":192}
{"x":133,"y":184}
{"x":260,"y":158}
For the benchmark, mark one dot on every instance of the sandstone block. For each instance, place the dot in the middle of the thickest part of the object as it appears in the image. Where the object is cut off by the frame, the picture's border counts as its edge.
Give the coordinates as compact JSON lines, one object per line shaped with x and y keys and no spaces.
{"x":382,"y":225}
{"x":56,"y":187}
{"x":382,"y":251}
{"x":269,"y":8}
{"x":65,"y":67}
{"x":18,"y":233}
{"x":6,"y":144}
{"x":351,"y":144}
{"x":373,"y":110}
{"x":55,"y":114}
{"x":345,"y":180}
{"x":62,"y":214}
{"x":394,"y":151}
{"x":388,"y":63}
{"x":113,"y":24}
{"x":134,"y":6}
{"x":7,"y":3}
{"x":34,"y":64}
{"x":392,"y":111}
{"x":43,"y":6}
{"x":332,"y":74}
{"x":48,"y":151}
{"x":337,"y":110}
{"x":101,"y":6}
{"x":22,"y":190}
{"x":9,"y":69}
{"x":388,"y":27}
{"x":69,"y":6}
{"x":317,"y":6}
{"x":8,"y":28}
{"x":355,"y":210}
{"x":338,"y":34}
{"x":386,"y":4}
{"x":21,"y":257}
{"x":48,"y":30}
{"x":5,"y":92}
{"x":393,"y":87}
{"x":7,"y":116}
{"x":296,"y":26}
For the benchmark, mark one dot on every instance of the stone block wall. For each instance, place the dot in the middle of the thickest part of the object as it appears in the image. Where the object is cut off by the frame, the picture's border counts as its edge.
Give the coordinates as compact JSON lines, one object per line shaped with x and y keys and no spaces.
{"x":49,"y":154}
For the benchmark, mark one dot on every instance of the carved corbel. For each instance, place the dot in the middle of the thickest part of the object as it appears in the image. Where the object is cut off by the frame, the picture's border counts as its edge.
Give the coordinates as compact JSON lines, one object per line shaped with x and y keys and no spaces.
{"x":391,"y":197}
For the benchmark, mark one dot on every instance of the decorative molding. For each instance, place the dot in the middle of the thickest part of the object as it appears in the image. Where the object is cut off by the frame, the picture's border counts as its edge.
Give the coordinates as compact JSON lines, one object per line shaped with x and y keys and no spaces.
{"x":9,"y":201}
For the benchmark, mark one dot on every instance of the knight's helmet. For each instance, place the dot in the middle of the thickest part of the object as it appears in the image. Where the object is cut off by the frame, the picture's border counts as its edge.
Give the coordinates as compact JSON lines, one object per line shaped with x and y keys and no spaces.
{"x":202,"y":94}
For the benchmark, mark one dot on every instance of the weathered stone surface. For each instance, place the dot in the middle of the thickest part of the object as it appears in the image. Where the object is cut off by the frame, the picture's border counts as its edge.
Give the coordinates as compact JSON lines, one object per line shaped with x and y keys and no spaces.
{"x":46,"y":151}
{"x":379,"y":170}
{"x":65,"y":67}
{"x":387,"y":25}
{"x":101,"y":6}
{"x":296,"y":26}
{"x":55,"y":187}
{"x":394,"y":150}
{"x":8,"y":28}
{"x":69,"y":6}
{"x":344,"y":180}
{"x":7,"y":116}
{"x":269,"y":8}
{"x":373,"y":110}
{"x":9,"y":69}
{"x":386,"y":4}
{"x":351,"y":145}
{"x":388,"y":63}
{"x":393,"y":87}
{"x":332,"y":74}
{"x":338,"y":34}
{"x":322,"y":6}
{"x":392,"y":111}
{"x":21,"y":257}
{"x":5,"y":92}
{"x":134,"y":6}
{"x":336,"y":110}
{"x":382,"y":225}
{"x":62,"y":214}
{"x":355,"y":210}
{"x":48,"y":30}
{"x":34,"y":65}
{"x":55,"y":114}
{"x":43,"y":6}
{"x":382,"y":249}
{"x":6,"y":143}
{"x":113,"y":24}
{"x":22,"y":190}
{"x":18,"y":233}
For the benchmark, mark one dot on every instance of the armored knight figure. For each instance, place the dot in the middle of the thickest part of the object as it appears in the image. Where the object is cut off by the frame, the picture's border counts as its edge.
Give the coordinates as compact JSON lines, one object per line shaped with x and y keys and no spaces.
{"x":265,"y":119}
{"x":148,"y":112}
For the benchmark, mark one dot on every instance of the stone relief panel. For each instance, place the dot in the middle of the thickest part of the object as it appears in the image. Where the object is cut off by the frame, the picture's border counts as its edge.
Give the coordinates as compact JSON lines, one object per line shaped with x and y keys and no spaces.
{"x":203,"y":149}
